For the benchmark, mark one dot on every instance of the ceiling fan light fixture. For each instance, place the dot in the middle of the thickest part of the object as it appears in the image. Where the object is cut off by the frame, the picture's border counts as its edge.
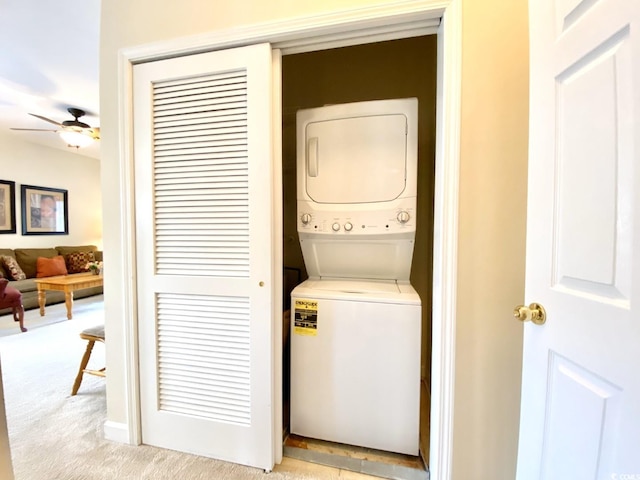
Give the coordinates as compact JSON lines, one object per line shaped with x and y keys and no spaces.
{"x":75,"y":139}
{"x":74,"y":133}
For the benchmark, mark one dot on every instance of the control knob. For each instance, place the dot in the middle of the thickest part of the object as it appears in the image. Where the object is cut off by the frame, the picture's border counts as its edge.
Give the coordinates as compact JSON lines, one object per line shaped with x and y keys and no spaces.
{"x":305,"y":218}
{"x":403,"y":216}
{"x":335,"y":227}
{"x":348,"y":226}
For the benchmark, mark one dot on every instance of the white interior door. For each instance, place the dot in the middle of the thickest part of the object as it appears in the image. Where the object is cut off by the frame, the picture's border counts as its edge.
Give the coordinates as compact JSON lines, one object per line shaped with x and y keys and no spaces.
{"x":204,"y":195}
{"x":580,"y":416}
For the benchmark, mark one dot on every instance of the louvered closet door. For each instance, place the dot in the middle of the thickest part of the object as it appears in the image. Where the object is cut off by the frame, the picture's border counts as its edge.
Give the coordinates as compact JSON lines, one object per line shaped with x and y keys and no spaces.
{"x":203,"y":233}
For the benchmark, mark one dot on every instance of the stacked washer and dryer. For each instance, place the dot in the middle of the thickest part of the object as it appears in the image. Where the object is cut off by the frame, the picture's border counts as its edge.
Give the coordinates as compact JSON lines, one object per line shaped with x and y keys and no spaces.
{"x":356,"y":329}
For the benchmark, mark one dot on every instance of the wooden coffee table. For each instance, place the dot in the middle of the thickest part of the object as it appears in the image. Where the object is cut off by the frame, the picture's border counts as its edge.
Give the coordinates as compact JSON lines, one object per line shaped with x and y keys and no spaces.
{"x":67,"y":284}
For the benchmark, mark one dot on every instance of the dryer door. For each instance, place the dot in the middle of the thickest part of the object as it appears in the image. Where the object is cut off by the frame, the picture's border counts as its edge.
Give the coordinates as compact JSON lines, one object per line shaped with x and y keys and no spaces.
{"x":356,"y":160}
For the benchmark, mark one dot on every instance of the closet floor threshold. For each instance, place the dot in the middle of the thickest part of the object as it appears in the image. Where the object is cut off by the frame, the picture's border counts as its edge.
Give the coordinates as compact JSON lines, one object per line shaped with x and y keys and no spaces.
{"x":368,"y":461}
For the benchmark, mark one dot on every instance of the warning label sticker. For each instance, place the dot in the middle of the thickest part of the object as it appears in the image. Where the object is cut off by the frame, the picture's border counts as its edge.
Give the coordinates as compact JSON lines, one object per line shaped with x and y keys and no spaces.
{"x":306,"y":317}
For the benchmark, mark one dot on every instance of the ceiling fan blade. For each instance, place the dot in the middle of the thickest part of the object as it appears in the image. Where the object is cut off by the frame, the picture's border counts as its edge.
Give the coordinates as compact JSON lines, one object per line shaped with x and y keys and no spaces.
{"x":34,"y":129}
{"x":46,"y":119}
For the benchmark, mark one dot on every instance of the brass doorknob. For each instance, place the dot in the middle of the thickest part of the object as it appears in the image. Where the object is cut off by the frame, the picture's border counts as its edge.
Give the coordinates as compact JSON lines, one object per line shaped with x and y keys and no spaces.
{"x":534,"y":312}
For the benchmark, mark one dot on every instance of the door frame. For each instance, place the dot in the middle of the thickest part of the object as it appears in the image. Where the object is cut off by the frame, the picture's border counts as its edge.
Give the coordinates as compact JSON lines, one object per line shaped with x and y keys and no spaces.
{"x":330,"y":30}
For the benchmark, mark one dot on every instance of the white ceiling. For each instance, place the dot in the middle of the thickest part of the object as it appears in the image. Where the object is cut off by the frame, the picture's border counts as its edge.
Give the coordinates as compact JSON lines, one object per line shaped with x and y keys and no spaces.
{"x":49,"y":62}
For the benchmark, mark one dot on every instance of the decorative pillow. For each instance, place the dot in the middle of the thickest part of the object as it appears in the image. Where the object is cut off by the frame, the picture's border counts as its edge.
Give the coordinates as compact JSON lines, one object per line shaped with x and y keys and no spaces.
{"x":49,"y":267}
{"x":28,"y":258}
{"x":77,"y":261}
{"x":13,"y":268}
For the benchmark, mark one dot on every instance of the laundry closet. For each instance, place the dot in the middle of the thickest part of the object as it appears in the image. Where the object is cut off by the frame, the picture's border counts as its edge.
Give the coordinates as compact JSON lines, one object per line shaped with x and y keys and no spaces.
{"x":364,"y":74}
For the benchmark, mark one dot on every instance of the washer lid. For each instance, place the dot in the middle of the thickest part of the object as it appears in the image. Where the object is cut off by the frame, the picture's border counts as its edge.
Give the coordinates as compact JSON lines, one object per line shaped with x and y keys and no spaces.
{"x":357,"y":291}
{"x":353,"y":286}
{"x":375,"y":257}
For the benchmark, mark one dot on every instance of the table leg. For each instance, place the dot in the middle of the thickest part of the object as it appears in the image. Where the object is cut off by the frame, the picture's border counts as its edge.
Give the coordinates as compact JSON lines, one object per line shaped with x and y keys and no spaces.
{"x":68,"y":301}
{"x":42,"y":301}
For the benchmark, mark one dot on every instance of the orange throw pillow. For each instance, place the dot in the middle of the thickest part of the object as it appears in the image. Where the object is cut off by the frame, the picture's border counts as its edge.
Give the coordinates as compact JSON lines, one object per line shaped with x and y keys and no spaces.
{"x":49,"y":267}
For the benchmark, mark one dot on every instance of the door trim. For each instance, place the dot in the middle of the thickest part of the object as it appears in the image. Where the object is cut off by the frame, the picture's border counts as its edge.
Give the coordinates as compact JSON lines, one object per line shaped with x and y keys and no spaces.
{"x":352,"y":26}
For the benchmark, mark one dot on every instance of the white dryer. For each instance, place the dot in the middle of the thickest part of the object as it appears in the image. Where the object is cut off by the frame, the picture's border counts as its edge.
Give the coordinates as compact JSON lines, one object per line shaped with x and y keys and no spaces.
{"x":356,"y":327}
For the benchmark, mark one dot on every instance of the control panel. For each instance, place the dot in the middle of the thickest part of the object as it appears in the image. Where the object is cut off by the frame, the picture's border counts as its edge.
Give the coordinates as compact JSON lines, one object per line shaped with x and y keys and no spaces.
{"x":402,"y":218}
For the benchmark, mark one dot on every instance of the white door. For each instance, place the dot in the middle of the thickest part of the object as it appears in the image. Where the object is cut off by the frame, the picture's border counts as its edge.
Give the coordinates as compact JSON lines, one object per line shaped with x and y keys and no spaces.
{"x":580,"y":416}
{"x":203,"y":193}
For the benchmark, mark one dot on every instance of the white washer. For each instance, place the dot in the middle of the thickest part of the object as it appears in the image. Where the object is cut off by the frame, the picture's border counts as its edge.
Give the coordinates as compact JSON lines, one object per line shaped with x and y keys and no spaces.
{"x":356,"y":323}
{"x":355,"y":363}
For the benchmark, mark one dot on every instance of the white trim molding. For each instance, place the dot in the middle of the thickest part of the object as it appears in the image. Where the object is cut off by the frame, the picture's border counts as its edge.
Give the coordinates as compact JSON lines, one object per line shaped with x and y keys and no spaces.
{"x":294,"y":35}
{"x":117,"y":432}
{"x":127,"y":229}
{"x":277,"y":254}
{"x":348,"y":27}
{"x":445,"y":245}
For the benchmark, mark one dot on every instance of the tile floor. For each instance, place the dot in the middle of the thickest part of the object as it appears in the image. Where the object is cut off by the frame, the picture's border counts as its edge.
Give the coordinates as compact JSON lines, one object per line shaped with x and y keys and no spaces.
{"x":319,"y":472}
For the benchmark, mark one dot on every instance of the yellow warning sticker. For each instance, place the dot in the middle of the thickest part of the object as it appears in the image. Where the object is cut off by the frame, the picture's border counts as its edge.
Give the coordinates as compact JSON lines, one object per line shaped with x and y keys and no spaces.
{"x":305,"y":321}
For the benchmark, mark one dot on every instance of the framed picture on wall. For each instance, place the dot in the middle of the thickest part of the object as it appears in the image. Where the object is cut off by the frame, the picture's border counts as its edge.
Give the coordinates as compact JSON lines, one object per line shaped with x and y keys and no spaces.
{"x":7,"y":206}
{"x":45,"y":211}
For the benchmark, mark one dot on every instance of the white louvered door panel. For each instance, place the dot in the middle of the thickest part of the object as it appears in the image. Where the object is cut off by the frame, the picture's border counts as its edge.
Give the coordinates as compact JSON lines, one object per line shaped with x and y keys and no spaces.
{"x":203,"y":195}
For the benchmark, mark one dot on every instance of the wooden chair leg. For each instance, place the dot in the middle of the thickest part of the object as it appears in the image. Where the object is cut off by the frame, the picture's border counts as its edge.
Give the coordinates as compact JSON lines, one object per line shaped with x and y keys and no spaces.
{"x":83,"y":365}
{"x":18,"y":316}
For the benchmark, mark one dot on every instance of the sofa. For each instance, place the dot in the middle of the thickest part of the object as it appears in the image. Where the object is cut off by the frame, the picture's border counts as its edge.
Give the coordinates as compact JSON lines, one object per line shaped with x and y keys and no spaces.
{"x":27,"y":260}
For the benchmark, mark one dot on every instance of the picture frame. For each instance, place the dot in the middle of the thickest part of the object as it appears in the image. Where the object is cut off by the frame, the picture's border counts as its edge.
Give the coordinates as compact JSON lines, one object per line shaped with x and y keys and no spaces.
{"x":45,"y":211}
{"x":7,"y":206}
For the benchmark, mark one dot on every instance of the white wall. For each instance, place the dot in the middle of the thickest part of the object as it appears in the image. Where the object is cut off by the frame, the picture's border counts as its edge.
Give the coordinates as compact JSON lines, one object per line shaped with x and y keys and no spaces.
{"x":31,"y":164}
{"x":492,"y":201}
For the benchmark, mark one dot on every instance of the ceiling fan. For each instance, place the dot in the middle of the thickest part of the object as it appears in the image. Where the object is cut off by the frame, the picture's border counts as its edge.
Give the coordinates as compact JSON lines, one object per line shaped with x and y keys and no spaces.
{"x":76,"y":133}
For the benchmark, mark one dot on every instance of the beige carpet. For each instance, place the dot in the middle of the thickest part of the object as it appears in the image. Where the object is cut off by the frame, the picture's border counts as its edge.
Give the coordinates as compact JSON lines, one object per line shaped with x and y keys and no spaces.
{"x":55,"y":436}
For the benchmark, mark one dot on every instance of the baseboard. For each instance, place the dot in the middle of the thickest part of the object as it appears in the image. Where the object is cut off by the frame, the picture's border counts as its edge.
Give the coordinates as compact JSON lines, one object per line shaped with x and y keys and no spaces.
{"x":116,"y":432}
